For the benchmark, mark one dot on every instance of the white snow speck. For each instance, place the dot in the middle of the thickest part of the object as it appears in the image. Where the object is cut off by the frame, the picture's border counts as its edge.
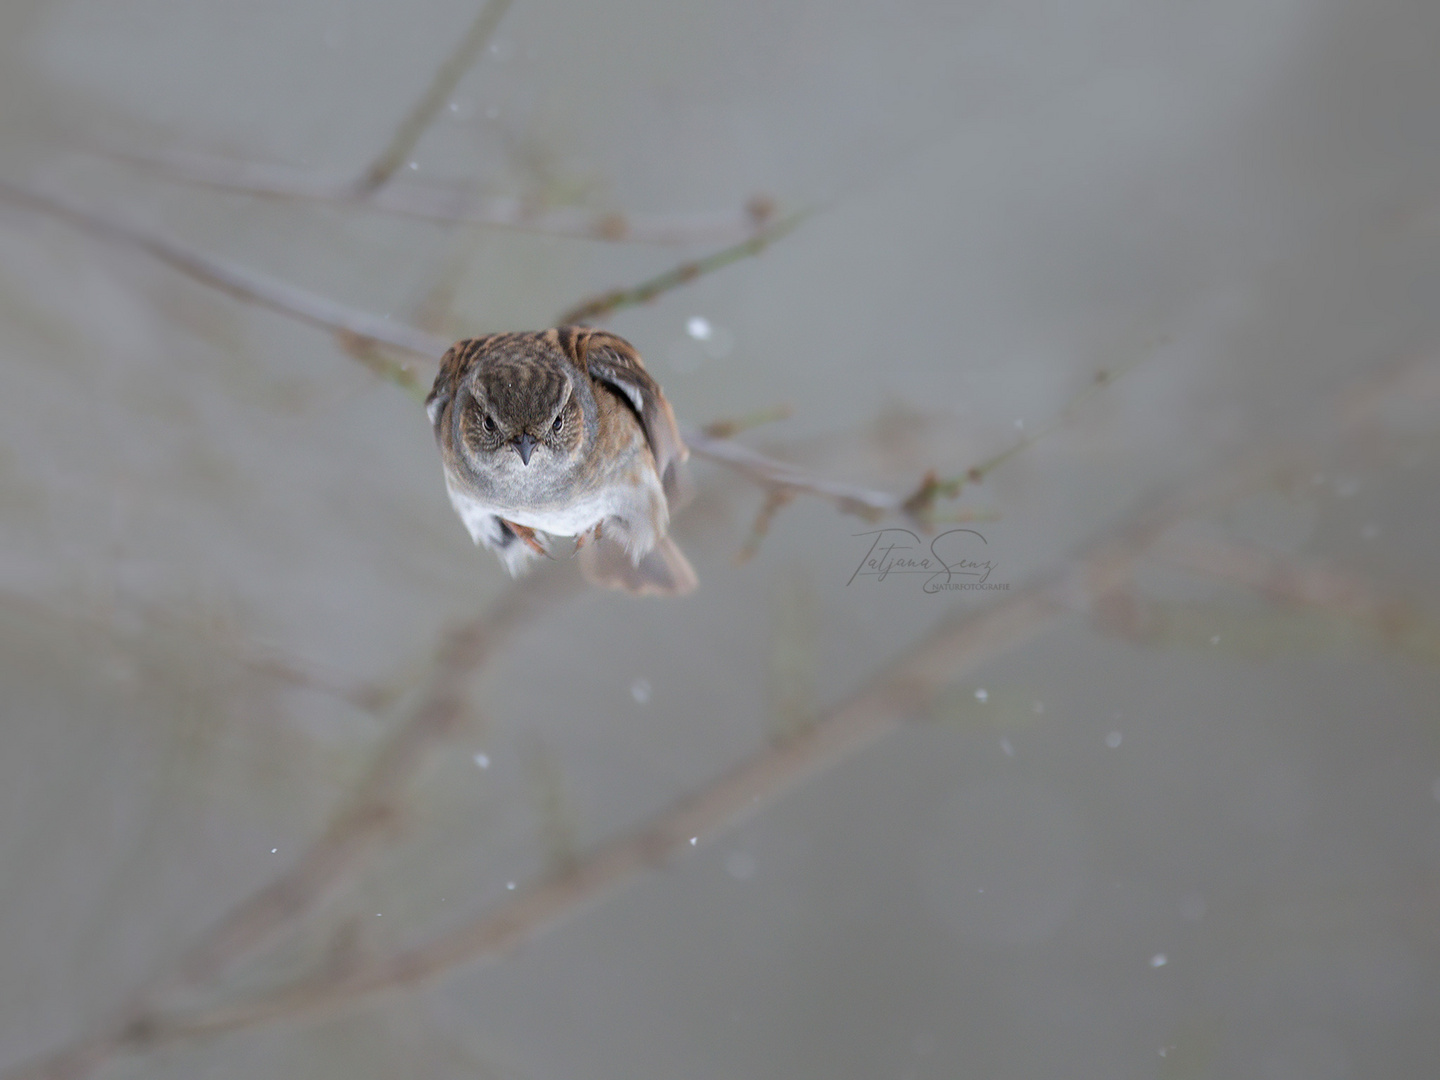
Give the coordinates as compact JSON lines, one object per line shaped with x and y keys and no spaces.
{"x":482,"y":761}
{"x":699,"y":328}
{"x":1113,"y":739}
{"x":640,"y":690}
{"x":982,"y":694}
{"x":510,"y":885}
{"x":1005,"y":746}
{"x":1159,"y":960}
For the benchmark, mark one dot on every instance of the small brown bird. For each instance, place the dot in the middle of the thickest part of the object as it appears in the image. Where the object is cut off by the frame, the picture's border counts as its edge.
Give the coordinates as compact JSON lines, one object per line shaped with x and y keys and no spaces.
{"x":562,"y":432}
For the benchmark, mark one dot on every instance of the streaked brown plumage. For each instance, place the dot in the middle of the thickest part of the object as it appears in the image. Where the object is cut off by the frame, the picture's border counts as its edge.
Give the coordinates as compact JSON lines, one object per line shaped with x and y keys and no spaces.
{"x":562,"y":432}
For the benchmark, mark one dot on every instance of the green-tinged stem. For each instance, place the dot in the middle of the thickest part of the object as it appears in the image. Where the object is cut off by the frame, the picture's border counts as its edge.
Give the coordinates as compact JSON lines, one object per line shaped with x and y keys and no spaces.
{"x":610,"y":302}
{"x":443,"y":85}
{"x":729,"y":428}
{"x":933,"y":487}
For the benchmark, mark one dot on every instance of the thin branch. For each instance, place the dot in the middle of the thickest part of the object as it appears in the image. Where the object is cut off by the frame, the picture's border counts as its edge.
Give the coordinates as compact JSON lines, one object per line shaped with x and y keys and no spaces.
{"x":456,"y":204}
{"x":434,"y":99}
{"x":1306,"y":582}
{"x":235,"y":280}
{"x":730,"y":427}
{"x":775,"y":500}
{"x":920,"y":505}
{"x":608,"y":303}
{"x":781,"y":481}
{"x":769,"y":474}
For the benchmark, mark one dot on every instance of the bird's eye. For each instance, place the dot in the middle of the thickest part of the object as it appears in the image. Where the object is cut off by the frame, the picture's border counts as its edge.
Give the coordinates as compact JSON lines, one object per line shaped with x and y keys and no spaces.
{"x":559,"y":423}
{"x":489,"y":423}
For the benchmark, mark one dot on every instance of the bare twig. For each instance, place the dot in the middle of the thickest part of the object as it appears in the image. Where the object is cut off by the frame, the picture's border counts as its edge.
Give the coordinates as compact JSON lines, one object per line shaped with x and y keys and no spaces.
{"x":608,"y":303}
{"x":433,"y":100}
{"x":458,"y":204}
{"x":1306,"y":582}
{"x":793,"y":656}
{"x":730,"y":427}
{"x":235,"y":280}
{"x":781,"y":481}
{"x":769,"y":473}
{"x":920,"y":505}
{"x":775,"y":500}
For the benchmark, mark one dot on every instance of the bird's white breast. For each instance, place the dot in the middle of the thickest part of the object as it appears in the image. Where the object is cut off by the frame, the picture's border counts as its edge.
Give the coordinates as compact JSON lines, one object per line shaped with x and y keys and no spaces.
{"x":636,"y":514}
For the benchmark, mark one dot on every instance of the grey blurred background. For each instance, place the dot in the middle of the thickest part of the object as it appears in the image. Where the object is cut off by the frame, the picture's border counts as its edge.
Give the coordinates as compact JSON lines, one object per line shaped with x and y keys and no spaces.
{"x":1206,"y":854}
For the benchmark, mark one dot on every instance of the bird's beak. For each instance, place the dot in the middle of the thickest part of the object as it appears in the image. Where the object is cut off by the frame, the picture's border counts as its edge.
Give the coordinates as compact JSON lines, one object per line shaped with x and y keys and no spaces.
{"x":525,"y":443}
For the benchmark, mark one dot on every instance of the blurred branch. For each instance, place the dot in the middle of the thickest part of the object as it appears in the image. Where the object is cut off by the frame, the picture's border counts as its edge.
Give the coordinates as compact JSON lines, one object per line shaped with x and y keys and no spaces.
{"x":425,"y":110}
{"x":921,"y":504}
{"x":455,"y":204}
{"x":1316,"y":584}
{"x":793,"y":657}
{"x":236,"y":281}
{"x":782,"y":482}
{"x":1252,"y":634}
{"x":771,"y":475}
{"x":369,"y":818}
{"x":373,"y":809}
{"x":775,"y":501}
{"x":730,"y":427}
{"x":608,"y":303}
{"x":903,"y":689}
{"x":907,"y":687}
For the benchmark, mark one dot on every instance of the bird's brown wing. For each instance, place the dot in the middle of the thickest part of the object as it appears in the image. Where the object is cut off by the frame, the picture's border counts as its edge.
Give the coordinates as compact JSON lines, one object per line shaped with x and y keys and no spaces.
{"x":614,"y":361}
